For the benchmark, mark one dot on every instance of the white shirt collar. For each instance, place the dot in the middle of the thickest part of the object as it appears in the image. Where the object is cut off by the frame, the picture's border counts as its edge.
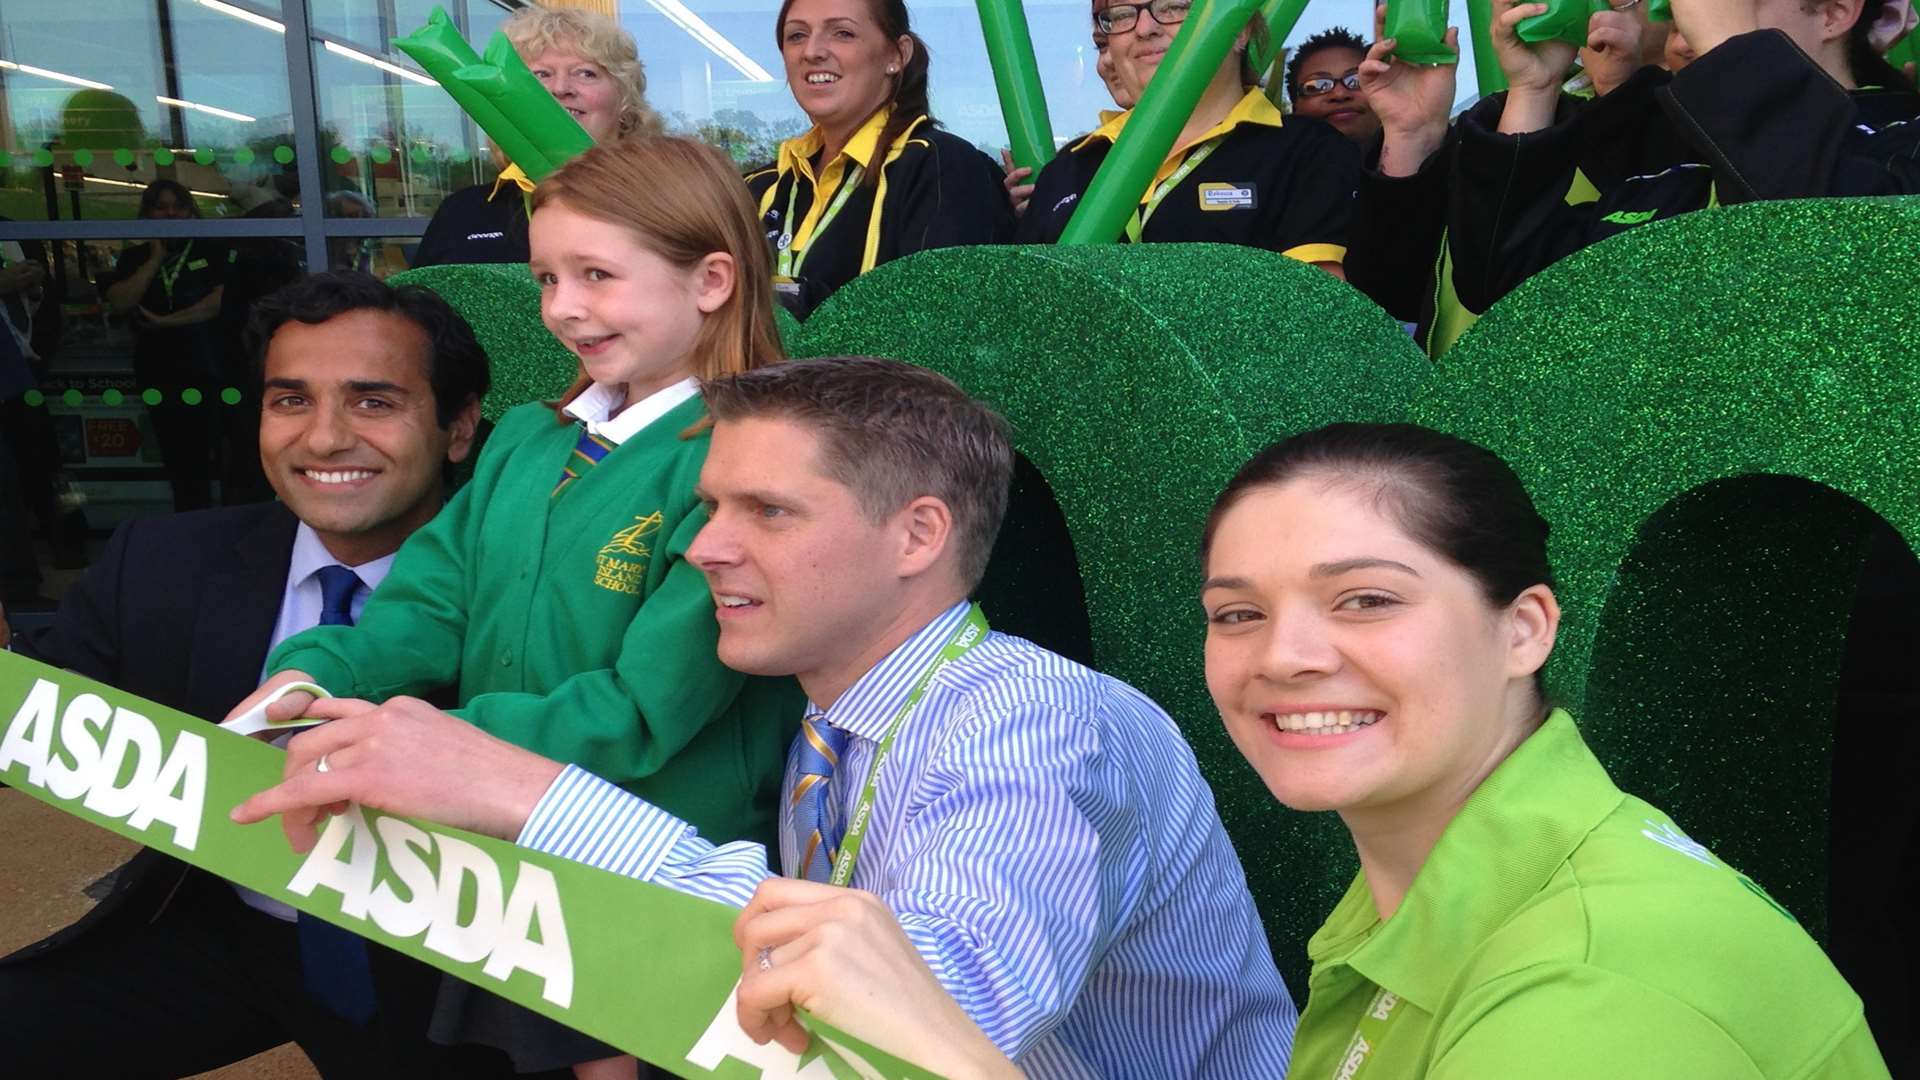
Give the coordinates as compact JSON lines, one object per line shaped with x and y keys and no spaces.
{"x":310,"y":555}
{"x":597,"y":402}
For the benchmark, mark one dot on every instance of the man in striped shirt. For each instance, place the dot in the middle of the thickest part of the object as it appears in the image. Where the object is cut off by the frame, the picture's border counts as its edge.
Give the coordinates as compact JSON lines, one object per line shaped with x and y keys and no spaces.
{"x":1040,"y":831}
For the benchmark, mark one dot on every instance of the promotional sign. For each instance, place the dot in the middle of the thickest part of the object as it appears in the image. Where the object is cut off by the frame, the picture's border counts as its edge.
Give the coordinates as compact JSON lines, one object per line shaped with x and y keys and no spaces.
{"x":647,"y":969}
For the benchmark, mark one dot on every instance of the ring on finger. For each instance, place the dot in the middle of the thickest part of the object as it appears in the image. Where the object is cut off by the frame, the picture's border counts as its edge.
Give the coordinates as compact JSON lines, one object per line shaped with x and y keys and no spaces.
{"x":766,"y":958}
{"x":321,"y":765}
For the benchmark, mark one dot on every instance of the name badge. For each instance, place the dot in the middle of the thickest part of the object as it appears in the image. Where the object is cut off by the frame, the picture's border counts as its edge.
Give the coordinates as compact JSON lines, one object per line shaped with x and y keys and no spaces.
{"x":1219,"y":196}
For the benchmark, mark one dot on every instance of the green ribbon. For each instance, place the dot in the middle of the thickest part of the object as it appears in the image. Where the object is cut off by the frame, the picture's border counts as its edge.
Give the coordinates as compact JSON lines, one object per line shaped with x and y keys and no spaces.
{"x":1016,"y":75}
{"x":1198,"y":50}
{"x":637,"y":965}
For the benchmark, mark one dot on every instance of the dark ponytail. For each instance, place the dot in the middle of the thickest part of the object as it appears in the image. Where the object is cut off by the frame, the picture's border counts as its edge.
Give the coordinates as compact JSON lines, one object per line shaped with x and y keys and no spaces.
{"x":909,"y":101}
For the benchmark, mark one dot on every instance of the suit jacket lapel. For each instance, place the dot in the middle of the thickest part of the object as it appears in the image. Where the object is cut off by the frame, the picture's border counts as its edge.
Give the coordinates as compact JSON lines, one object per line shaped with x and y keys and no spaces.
{"x":234,"y":623}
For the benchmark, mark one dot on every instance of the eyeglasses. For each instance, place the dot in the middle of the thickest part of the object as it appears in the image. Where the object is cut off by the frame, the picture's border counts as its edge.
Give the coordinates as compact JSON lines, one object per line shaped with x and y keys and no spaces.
{"x":1120,"y":18}
{"x":1324,"y":85}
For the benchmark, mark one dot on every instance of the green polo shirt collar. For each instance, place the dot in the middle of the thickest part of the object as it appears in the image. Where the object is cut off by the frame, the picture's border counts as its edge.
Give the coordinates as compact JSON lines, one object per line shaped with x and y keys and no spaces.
{"x":1513,"y":834}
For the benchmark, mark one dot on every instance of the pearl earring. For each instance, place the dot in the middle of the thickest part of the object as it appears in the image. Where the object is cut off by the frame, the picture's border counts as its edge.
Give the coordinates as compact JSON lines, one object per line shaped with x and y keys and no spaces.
{"x":891,"y":70}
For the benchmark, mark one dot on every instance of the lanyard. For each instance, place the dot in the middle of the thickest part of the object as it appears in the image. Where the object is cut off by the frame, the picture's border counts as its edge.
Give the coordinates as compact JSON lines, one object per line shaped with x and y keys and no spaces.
{"x":788,"y":263}
{"x":1367,"y":1034}
{"x":1138,"y":222}
{"x":170,"y":271}
{"x":970,"y":633}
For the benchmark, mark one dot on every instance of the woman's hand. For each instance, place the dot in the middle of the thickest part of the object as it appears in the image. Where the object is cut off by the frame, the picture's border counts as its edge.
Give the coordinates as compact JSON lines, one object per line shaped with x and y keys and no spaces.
{"x":1612,"y":54}
{"x":839,"y":954}
{"x":1412,"y":100}
{"x":1534,"y":71}
{"x":1018,"y":194}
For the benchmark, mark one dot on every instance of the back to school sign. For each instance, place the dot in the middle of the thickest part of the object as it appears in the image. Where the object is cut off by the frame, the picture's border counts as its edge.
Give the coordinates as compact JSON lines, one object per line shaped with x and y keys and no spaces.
{"x":644,"y":968}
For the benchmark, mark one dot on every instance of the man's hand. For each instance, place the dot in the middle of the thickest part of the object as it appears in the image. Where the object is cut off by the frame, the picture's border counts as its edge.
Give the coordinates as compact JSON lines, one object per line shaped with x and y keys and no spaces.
{"x":840,"y":955}
{"x":1612,"y":54}
{"x":1018,"y":194}
{"x":1411,"y":100}
{"x":404,"y":757}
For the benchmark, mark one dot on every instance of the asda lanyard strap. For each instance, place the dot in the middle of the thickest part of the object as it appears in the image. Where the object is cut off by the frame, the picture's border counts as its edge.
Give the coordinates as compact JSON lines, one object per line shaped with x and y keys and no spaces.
{"x":970,"y":633}
{"x":1138,"y":222}
{"x":787,"y":265}
{"x":170,"y":271}
{"x":1374,"y":1024}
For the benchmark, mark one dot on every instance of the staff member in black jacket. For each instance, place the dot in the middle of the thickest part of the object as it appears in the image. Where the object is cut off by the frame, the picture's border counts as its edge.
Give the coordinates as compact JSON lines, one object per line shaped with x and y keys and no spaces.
{"x":875,"y":178}
{"x":1773,"y":108}
{"x":1237,"y":173}
{"x":591,"y":67}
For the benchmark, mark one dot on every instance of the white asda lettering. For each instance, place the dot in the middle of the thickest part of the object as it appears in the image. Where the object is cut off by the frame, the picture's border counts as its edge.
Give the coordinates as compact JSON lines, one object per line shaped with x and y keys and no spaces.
{"x":500,"y":933}
{"x":165,"y":786}
{"x":723,"y":1039}
{"x":1356,"y":1057}
{"x":494,"y":235}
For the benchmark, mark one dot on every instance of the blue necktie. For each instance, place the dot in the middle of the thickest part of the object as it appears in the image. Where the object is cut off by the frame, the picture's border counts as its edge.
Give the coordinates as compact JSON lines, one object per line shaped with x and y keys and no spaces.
{"x":333,"y":961}
{"x":587,"y":453}
{"x":817,"y":827}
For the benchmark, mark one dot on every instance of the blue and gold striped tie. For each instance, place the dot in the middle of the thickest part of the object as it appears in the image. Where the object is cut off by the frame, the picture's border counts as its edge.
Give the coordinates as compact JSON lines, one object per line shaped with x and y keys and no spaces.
{"x":586,"y":454}
{"x":816,"y":815}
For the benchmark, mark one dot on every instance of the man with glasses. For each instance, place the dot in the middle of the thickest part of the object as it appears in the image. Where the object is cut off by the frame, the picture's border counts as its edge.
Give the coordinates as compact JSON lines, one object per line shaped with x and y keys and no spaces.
{"x":1239,"y":173}
{"x":1323,"y":81}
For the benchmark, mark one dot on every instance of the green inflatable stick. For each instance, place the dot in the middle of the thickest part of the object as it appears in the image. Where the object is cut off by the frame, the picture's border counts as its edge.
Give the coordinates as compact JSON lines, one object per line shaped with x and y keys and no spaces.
{"x":439,"y":49}
{"x":1281,"y":17}
{"x":1486,"y":63}
{"x":1662,"y":11}
{"x":1419,"y":31}
{"x":1197,"y":52}
{"x":1564,"y":20}
{"x":1017,"y":76}
{"x":527,"y":106}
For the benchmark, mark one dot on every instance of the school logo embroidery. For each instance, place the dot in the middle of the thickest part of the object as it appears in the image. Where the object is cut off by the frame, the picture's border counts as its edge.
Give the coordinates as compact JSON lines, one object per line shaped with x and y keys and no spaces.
{"x":1218,"y":196}
{"x":622,"y":564}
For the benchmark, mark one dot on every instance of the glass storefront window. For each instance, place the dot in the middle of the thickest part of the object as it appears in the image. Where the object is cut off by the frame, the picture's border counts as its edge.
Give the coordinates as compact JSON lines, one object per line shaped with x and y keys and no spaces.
{"x":98,"y":100}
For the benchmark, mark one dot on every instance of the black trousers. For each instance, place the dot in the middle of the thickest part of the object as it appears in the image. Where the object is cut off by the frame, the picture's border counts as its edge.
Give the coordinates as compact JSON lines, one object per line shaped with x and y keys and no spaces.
{"x":208,"y":982}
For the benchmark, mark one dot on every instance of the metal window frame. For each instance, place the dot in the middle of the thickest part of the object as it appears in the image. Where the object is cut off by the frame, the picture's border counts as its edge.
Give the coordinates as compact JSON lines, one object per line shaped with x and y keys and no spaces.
{"x":311,"y":226}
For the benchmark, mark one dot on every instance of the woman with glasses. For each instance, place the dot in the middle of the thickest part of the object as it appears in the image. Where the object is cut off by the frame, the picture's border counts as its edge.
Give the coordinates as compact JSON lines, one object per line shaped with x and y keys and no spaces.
{"x":876,"y":177}
{"x":1323,"y":81}
{"x":1238,"y":173}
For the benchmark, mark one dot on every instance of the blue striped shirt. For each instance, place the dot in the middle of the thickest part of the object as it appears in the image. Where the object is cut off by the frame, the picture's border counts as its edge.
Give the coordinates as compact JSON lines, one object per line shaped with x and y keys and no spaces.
{"x":1044,"y":836}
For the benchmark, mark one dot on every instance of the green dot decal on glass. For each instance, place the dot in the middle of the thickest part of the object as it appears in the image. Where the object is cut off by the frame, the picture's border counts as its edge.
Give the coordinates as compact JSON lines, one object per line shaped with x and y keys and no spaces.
{"x":203,"y":155}
{"x":112,"y":397}
{"x":83,"y":157}
{"x":151,"y":396}
{"x":341,"y":155}
{"x":461,"y":157}
{"x":71,"y":397}
{"x":421,"y":155}
{"x":162,"y":156}
{"x":243,"y":156}
{"x":381,"y":155}
{"x":34,"y":399}
{"x":190,"y":396}
{"x":230,"y":395}
{"x":123,"y":157}
{"x":43,"y":157}
{"x":283,"y":154}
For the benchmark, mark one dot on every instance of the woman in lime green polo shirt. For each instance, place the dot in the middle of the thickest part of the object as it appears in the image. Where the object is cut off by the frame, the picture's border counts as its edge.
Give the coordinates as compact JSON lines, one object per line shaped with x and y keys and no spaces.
{"x":1379,"y":607}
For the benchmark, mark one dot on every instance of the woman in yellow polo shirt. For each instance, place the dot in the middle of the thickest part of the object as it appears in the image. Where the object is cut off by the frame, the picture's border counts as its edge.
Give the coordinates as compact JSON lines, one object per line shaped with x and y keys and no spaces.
{"x":591,"y":67}
{"x":876,"y":177}
{"x":1379,"y":607}
{"x":1238,"y":174}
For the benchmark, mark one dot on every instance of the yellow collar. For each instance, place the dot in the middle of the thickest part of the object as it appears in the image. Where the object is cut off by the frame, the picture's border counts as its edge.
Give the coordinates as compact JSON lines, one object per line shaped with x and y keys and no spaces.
{"x":1253,"y":108}
{"x":796,"y":155}
{"x":512,"y":174}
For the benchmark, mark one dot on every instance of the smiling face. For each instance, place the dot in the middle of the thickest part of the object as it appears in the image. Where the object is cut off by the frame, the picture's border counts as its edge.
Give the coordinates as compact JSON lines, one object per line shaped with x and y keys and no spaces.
{"x":631,"y":316}
{"x":583,"y":88}
{"x":837,"y":56}
{"x":804,"y":582}
{"x":349,"y":437}
{"x":1345,"y":109}
{"x":1355,"y":668}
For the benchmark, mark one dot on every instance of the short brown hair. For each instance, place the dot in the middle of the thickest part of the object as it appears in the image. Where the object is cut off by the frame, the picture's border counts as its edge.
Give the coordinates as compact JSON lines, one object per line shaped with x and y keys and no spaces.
{"x":892,"y":433}
{"x":683,"y":201}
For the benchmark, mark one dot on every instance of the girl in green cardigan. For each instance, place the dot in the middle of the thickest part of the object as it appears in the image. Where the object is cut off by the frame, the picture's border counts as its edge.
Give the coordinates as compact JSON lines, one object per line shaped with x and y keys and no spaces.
{"x":553,"y":590}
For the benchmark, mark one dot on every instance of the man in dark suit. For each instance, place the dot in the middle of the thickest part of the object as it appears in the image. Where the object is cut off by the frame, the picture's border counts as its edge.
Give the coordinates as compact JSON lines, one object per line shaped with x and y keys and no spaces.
{"x":369,"y":395}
